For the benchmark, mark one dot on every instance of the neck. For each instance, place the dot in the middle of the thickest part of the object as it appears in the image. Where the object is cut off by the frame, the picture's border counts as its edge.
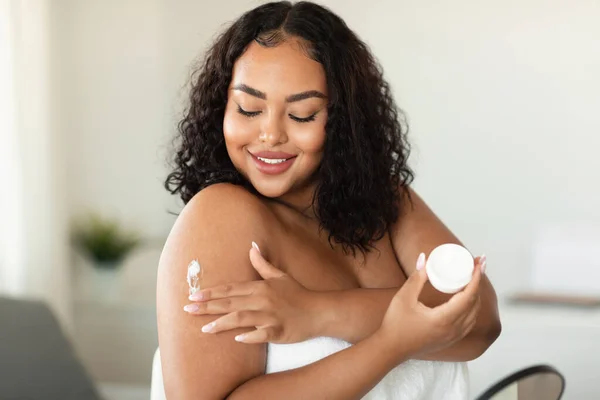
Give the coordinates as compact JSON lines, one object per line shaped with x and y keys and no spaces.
{"x":300,"y":201}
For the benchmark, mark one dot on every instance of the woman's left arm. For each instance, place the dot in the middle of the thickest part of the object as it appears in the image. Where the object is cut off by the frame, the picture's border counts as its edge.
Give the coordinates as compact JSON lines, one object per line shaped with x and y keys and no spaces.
{"x":420,"y":230}
{"x":354,"y":314}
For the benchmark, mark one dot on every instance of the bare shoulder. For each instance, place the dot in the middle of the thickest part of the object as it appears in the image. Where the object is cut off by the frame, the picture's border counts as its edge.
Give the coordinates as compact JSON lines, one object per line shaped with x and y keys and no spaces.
{"x":228,"y":199}
{"x":418,"y":229}
{"x":223,"y":213}
{"x":216,"y":229}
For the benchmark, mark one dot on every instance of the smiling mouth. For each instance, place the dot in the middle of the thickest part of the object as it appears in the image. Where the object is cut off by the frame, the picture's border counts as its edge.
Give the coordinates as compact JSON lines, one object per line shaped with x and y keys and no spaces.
{"x":272,"y":165}
{"x":273,"y":160}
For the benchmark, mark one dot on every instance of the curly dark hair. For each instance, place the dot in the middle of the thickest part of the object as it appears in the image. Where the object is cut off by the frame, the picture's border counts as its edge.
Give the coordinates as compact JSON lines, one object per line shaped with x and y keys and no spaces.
{"x":364,"y":175}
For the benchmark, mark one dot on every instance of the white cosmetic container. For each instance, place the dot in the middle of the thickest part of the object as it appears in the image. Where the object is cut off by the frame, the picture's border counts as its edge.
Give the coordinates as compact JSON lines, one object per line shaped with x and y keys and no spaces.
{"x":450,"y":267}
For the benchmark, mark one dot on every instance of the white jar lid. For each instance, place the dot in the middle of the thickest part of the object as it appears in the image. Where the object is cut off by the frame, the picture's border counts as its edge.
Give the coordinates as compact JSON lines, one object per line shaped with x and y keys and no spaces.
{"x":450,"y":267}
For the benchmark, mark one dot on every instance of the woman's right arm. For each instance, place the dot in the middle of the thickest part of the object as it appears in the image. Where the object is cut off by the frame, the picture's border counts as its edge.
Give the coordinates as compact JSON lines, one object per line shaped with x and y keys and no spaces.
{"x":217,"y":228}
{"x":348,"y":374}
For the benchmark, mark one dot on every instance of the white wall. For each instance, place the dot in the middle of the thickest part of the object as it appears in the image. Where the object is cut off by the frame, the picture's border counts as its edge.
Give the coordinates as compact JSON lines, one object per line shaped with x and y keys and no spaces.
{"x":500,"y":97}
{"x":116,"y":109}
{"x":123,"y":70}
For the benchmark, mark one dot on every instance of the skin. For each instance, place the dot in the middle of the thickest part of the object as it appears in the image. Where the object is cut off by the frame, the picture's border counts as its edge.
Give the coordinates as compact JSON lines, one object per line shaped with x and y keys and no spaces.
{"x":219,"y":224}
{"x":275,"y":127}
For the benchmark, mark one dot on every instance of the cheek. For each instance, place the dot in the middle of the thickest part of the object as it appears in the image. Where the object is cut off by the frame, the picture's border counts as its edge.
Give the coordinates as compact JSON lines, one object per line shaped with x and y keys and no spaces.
{"x":311,"y":140}
{"x":237,"y":130}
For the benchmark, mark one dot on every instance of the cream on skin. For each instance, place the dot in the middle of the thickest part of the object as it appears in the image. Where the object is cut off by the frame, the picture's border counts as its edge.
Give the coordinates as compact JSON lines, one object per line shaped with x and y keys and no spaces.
{"x":194,"y":273}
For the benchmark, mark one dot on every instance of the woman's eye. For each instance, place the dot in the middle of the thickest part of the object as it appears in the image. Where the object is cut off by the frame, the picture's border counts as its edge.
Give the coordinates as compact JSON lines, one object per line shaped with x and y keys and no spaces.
{"x":248,"y":114}
{"x":302,"y":120}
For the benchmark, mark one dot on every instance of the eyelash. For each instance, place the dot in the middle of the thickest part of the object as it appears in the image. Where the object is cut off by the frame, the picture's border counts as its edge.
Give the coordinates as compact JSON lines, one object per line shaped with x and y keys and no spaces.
{"x":249,"y":114}
{"x":303,"y":120}
{"x":252,"y":114}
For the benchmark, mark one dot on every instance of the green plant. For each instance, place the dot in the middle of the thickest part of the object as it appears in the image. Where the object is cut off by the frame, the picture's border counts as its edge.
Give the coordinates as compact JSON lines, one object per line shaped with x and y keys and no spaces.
{"x":104,"y":240}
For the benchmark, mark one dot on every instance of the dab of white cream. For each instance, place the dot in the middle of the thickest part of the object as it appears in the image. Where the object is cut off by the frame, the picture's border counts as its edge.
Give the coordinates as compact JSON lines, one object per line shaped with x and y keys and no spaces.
{"x":193,"y":276}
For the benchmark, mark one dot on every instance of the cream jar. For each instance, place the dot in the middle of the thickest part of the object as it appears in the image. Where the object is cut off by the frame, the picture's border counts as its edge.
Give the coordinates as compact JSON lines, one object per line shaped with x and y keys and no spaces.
{"x":450,"y":267}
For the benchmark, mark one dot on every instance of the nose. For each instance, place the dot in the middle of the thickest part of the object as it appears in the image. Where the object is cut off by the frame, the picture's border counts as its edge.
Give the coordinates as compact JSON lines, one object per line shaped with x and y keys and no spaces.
{"x":273,"y":131}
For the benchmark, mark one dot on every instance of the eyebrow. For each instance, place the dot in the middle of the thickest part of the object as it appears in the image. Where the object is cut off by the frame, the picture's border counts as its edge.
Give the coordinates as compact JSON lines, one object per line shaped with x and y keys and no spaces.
{"x":290,"y":99}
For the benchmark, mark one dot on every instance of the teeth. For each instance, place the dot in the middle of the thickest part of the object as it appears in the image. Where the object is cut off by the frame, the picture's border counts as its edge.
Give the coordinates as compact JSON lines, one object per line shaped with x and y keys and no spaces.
{"x":272,"y":160}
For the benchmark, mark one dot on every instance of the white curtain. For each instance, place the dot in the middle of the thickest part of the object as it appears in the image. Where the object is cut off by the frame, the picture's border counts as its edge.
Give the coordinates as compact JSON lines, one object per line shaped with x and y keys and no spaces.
{"x":33,"y":229}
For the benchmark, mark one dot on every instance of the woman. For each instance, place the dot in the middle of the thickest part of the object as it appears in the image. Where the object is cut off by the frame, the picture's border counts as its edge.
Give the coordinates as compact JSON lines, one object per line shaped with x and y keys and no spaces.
{"x":292,"y":142}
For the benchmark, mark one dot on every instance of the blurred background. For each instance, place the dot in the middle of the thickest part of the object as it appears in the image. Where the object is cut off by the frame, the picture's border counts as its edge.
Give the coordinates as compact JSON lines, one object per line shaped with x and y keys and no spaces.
{"x":501,"y":98}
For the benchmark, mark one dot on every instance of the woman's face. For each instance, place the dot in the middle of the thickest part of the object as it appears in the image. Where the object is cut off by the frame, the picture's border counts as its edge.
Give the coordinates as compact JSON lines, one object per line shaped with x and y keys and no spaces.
{"x":275,"y":118}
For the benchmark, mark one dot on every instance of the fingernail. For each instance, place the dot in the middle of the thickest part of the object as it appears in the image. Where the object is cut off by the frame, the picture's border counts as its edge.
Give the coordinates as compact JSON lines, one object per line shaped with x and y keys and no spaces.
{"x":191,"y":308}
{"x":240,"y":338}
{"x":255,"y":246}
{"x":483,"y":262}
{"x":196,"y":296}
{"x":208,"y":327}
{"x":421,"y":261}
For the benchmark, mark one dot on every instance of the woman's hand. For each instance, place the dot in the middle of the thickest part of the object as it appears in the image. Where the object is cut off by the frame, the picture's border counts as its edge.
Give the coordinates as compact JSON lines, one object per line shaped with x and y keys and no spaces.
{"x":414,"y":329}
{"x":278,"y":307}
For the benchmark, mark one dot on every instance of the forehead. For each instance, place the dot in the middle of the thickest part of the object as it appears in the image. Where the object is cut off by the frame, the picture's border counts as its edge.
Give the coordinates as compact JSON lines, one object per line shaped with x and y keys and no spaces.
{"x":285,"y":67}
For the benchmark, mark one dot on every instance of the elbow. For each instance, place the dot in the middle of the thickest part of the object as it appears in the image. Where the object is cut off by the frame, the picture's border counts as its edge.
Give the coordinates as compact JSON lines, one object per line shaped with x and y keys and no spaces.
{"x":494,"y":331}
{"x":486,"y":337}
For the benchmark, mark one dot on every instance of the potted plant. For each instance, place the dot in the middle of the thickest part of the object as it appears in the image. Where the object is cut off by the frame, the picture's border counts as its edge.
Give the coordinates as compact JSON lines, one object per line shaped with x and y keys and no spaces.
{"x":105,"y":243}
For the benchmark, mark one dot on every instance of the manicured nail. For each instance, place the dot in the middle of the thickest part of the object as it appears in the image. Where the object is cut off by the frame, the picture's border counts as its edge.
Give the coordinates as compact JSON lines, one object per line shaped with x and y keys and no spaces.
{"x":191,"y":308}
{"x":208,"y":327}
{"x":196,"y":296}
{"x":240,"y":338}
{"x":483,"y":264}
{"x":255,"y":246}
{"x":421,"y":261}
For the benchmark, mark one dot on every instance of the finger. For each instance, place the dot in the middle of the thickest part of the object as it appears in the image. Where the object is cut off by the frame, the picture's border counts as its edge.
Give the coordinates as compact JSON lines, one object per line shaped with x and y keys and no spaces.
{"x":261,"y":335}
{"x":461,"y":324}
{"x":464,"y":313}
{"x":264,"y":268}
{"x":483,"y":263}
{"x":228,"y":290}
{"x":471,"y":292}
{"x":224,"y":306}
{"x":470,"y":322}
{"x":472,"y":288}
{"x":238,"y":319}
{"x":458,"y":307}
{"x":472,"y":314}
{"x":415,"y":283}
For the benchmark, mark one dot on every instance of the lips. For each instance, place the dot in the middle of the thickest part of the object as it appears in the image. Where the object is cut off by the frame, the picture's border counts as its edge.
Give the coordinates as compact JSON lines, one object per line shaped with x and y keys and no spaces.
{"x":273,"y":169}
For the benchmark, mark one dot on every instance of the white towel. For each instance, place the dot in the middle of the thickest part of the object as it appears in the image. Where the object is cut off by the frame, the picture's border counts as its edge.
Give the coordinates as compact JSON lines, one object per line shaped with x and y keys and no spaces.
{"x":411,"y":380}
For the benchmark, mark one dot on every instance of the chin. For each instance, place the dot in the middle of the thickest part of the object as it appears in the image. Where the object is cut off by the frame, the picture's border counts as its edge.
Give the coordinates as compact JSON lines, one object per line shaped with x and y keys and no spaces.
{"x":269,"y":189}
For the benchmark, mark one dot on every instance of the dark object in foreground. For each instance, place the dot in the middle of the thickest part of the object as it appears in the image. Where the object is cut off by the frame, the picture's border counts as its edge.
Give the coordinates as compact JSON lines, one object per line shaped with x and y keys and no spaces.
{"x":36,"y":359}
{"x":539,"y":382}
